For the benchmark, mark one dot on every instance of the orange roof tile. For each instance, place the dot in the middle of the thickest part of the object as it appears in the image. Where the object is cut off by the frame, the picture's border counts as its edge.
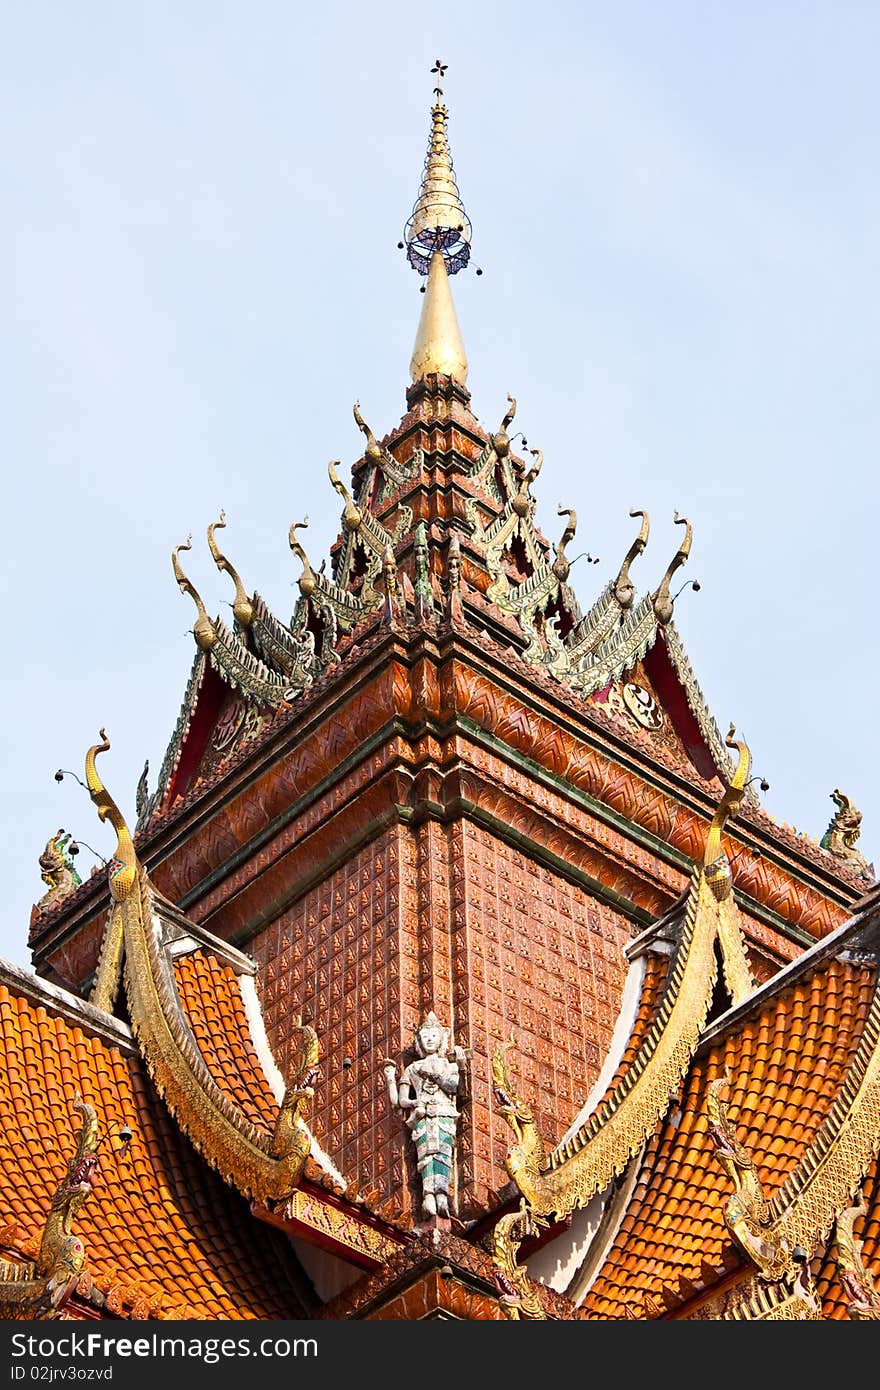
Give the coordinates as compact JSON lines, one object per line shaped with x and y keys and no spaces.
{"x":774,"y":1057}
{"x":210,"y":993}
{"x":160,"y":1225}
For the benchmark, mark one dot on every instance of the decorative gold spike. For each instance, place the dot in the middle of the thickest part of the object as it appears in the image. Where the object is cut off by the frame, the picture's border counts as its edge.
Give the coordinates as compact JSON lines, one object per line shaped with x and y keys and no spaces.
{"x":438,"y":346}
{"x":624,"y":589}
{"x":501,"y":442}
{"x":352,"y":515}
{"x":123,"y":865}
{"x":241,"y":604}
{"x":561,"y":565}
{"x":373,"y":451}
{"x":307,"y":580}
{"x":715,"y":862}
{"x":203,"y":628}
{"x":663,"y":604}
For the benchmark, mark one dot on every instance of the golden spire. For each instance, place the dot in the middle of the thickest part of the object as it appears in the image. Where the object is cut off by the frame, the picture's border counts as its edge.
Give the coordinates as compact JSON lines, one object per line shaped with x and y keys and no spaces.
{"x":438,"y":346}
{"x":438,"y":244}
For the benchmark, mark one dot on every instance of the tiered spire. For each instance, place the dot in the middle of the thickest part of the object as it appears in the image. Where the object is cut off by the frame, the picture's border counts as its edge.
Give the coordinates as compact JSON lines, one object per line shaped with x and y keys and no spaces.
{"x":438,"y":244}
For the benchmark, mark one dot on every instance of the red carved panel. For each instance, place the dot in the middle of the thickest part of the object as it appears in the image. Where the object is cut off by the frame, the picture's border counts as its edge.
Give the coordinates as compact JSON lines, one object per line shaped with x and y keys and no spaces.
{"x":345,"y":957}
{"x":536,"y":955}
{"x":454,"y":919}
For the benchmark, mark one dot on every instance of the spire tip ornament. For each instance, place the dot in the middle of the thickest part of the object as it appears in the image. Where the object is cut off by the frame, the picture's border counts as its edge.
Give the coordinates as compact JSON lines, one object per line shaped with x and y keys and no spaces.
{"x":438,"y":244}
{"x":438,"y":222}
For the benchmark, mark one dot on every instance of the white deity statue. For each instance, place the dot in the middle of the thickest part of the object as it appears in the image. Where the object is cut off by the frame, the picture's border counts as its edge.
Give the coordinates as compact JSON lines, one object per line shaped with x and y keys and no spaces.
{"x":426,"y":1096}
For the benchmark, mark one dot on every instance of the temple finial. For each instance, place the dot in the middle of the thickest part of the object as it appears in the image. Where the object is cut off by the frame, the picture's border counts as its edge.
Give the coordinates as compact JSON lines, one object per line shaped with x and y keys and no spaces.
{"x":241,"y":604}
{"x":715,"y":863}
{"x":663,"y":602}
{"x":438,"y":244}
{"x":123,"y":865}
{"x":438,"y":222}
{"x":203,"y":629}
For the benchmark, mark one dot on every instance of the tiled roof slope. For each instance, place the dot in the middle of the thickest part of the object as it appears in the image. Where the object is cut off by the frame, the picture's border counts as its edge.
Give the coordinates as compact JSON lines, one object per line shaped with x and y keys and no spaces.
{"x":786,"y":1059}
{"x":210,"y":993}
{"x":163,"y":1233}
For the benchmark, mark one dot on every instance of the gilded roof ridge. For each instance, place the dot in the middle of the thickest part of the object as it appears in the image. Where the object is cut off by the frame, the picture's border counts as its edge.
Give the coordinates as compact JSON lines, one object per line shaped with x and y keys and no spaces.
{"x":260,"y":1164}
{"x":567,"y":1177}
{"x":865,"y":940}
{"x":805,"y":1207}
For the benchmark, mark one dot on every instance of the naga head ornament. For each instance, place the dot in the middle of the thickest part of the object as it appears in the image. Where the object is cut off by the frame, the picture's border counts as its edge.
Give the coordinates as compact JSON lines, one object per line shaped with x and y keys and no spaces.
{"x":123,"y":865}
{"x":351,"y":516}
{"x":373,"y":451}
{"x":242,"y":607}
{"x":716,"y":865}
{"x":663,"y":603}
{"x":307,"y":581}
{"x":562,"y":564}
{"x":501,"y":441}
{"x":624,"y":589}
{"x":203,"y":629}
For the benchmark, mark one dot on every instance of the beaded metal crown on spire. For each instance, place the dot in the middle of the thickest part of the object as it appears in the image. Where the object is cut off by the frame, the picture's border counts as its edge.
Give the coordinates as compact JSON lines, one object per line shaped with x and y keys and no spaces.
{"x":438,"y":221}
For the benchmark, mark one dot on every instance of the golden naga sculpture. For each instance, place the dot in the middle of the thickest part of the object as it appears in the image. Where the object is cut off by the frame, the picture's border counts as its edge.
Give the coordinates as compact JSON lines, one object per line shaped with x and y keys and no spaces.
{"x":561,"y":563}
{"x":203,"y":629}
{"x":56,"y":870}
{"x":858,"y":1283}
{"x":663,"y":603}
{"x":307,"y":580}
{"x":263,"y":1165}
{"x":501,"y":441}
{"x":290,"y":1135}
{"x":40,"y":1288}
{"x":242,"y":607}
{"x":719,"y":878}
{"x":522,"y":503}
{"x":122,"y":871}
{"x":373,"y":450}
{"x":747,"y":1213}
{"x":516,"y":1294}
{"x":352,"y":515}
{"x":843,"y":831}
{"x":624,"y":589}
{"x":558,"y":1182}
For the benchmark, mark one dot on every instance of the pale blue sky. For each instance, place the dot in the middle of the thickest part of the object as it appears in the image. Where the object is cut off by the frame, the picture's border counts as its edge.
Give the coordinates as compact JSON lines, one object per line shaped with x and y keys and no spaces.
{"x":676,"y":211}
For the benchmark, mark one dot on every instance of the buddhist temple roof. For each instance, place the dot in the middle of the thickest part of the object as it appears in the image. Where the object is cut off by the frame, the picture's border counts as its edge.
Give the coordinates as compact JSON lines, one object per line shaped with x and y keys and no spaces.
{"x":442,"y":781}
{"x":164,"y":1236}
{"x":790,"y":1054}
